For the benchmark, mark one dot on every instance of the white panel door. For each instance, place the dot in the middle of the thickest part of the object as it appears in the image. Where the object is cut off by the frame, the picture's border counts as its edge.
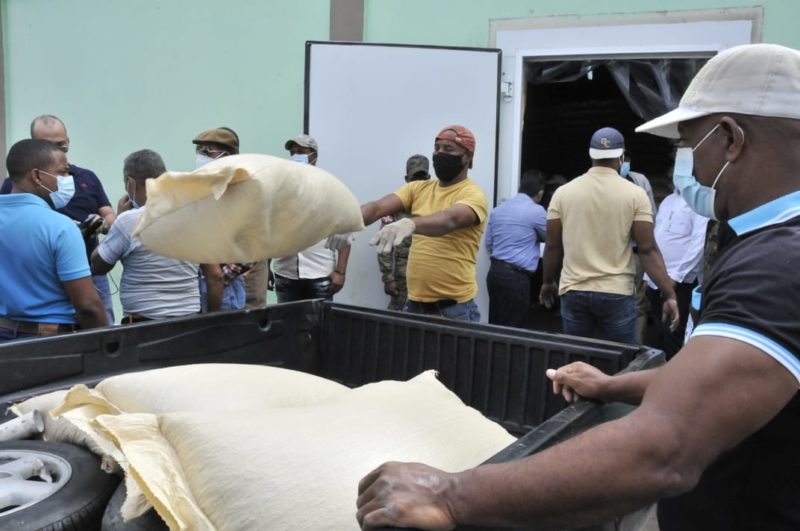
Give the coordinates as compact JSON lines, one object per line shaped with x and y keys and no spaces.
{"x":371,"y":106}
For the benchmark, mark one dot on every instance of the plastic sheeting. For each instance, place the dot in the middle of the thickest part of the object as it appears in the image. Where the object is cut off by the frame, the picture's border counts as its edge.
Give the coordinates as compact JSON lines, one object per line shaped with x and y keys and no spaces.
{"x":651,"y":87}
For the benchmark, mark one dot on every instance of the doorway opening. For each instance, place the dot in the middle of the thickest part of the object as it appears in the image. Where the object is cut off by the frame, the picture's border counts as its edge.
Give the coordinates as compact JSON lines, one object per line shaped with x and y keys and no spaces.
{"x":567,"y":101}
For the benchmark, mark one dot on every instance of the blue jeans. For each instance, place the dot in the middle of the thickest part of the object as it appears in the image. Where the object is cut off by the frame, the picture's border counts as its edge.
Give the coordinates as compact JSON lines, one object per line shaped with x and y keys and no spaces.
{"x":104,"y":290}
{"x":232,"y":295}
{"x":11,"y":335}
{"x":613,"y":315}
{"x":291,"y":290}
{"x":462,"y":311}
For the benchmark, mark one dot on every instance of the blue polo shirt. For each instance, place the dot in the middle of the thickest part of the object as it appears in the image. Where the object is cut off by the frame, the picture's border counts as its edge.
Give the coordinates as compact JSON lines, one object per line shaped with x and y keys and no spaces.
{"x":515,"y":228}
{"x":39,"y":250}
{"x":88,"y":199}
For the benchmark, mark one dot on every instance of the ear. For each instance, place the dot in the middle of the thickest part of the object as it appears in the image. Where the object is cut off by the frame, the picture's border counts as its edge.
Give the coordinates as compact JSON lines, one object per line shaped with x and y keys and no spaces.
{"x":470,"y":155}
{"x":539,"y":196}
{"x":734,"y":138}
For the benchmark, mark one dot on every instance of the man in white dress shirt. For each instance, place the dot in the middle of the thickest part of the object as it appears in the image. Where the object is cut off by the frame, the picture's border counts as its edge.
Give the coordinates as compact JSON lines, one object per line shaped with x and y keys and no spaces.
{"x":680,"y":234}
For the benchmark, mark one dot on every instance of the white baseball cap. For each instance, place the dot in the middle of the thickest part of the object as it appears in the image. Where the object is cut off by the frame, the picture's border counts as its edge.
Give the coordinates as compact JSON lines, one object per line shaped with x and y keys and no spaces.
{"x":754,"y":79}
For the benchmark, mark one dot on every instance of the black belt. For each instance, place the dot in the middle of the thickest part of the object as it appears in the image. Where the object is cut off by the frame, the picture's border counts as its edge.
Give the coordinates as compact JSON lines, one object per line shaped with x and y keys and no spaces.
{"x":506,"y":265}
{"x":435,"y":306}
{"x":39,"y":329}
{"x":131,"y":318}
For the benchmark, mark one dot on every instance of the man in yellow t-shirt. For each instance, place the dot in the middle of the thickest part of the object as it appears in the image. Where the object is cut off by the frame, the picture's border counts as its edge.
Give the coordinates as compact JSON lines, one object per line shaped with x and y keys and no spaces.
{"x":592,"y":222}
{"x":447,"y":220}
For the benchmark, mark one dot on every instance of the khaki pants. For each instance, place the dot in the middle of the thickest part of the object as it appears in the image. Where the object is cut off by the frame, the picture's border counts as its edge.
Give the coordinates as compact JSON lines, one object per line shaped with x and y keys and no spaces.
{"x":255,"y":286}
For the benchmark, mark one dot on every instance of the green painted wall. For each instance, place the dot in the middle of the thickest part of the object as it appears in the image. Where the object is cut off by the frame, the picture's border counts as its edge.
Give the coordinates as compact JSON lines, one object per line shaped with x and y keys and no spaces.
{"x":125,"y":75}
{"x":466,"y":22}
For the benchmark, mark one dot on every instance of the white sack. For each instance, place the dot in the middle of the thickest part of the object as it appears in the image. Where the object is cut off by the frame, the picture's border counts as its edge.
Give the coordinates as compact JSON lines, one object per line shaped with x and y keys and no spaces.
{"x":245,"y":208}
{"x":211,"y":387}
{"x":296,"y":468}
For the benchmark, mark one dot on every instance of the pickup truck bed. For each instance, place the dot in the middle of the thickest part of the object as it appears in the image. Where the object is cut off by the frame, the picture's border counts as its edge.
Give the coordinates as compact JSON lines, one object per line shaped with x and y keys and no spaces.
{"x":497,"y":370}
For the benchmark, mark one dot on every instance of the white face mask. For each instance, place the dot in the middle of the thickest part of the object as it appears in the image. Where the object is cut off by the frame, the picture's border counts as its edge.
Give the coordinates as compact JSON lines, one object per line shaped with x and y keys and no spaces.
{"x":202,"y":159}
{"x":64,"y":191}
{"x":302,"y":158}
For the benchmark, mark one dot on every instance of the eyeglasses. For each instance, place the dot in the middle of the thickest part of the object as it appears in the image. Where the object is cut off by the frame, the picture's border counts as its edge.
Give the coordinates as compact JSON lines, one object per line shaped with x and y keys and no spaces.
{"x":210,"y":152}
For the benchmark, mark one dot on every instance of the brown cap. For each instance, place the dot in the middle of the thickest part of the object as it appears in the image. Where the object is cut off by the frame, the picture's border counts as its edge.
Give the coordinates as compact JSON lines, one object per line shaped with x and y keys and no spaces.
{"x":223,"y":136}
{"x":460,"y":135}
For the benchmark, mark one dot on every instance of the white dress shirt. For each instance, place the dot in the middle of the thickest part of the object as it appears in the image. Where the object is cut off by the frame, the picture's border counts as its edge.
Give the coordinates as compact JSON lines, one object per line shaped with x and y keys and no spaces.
{"x":681,"y":235}
{"x":314,"y":262}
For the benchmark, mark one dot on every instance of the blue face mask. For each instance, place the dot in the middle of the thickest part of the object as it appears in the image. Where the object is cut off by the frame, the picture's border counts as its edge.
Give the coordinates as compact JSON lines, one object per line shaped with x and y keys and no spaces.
{"x":302,"y":158}
{"x":626,"y":167}
{"x":700,"y":198}
{"x":64,"y":191}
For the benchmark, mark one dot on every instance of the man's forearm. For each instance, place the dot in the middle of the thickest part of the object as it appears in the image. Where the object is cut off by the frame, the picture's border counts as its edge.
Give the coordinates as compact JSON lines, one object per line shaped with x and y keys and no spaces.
{"x":653,"y":265}
{"x":436,"y":224}
{"x":551,"y":263}
{"x":594,"y":477}
{"x":628,"y":387}
{"x":92,"y":315}
{"x":214,"y":286}
{"x":342,"y":258}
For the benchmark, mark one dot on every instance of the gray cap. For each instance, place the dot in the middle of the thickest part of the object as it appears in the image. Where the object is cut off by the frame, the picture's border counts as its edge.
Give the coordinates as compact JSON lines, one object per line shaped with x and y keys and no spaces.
{"x":417,"y":163}
{"x":305,"y":141}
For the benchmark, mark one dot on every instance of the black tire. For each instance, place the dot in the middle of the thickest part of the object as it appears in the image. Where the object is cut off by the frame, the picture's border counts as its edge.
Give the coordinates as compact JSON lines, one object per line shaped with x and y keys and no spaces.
{"x":112,"y":519}
{"x":78,"y":505}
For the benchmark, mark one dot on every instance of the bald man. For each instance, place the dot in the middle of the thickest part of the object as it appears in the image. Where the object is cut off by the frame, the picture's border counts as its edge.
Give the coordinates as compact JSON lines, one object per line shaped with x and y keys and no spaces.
{"x":88,"y":200}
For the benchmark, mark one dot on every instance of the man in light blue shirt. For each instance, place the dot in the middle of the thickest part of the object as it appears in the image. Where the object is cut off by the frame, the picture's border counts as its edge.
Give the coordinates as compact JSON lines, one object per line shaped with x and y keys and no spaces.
{"x":516,"y":228}
{"x":46,"y":284}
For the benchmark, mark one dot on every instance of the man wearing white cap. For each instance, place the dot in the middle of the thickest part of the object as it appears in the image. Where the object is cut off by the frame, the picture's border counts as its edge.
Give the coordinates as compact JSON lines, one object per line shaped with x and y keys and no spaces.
{"x":716,"y":434}
{"x":592,"y":223}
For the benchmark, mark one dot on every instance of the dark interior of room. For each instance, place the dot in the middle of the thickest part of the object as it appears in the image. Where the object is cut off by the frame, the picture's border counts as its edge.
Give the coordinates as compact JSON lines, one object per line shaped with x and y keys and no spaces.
{"x":561,"y":117}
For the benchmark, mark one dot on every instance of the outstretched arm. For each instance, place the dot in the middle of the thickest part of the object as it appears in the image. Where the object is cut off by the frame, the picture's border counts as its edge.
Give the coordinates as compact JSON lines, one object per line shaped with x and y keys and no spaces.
{"x":385,"y":206}
{"x":659,"y":450}
{"x":580,"y":379}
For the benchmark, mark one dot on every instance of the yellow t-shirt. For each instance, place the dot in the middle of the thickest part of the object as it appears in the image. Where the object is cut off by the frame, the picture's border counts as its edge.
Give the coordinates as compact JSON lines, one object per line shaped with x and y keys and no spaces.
{"x":443,"y":267}
{"x":597,"y":211}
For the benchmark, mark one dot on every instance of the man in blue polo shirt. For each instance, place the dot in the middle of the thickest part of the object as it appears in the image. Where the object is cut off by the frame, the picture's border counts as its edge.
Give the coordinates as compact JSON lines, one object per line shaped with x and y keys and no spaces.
{"x":89,"y":198}
{"x":716,"y":435}
{"x":47,"y":286}
{"x":516,"y":228}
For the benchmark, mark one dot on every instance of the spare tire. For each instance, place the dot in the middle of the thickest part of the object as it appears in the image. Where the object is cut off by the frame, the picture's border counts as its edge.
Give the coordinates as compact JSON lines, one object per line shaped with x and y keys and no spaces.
{"x":52,"y":486}
{"x":112,"y":519}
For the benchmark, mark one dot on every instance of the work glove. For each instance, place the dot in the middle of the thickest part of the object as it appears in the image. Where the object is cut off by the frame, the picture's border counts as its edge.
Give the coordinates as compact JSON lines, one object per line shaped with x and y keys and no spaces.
{"x":393,"y":234}
{"x":337,"y":241}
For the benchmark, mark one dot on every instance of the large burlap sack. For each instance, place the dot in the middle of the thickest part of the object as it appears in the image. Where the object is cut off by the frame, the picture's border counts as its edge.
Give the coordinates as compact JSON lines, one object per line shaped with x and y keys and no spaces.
{"x":202,"y":387}
{"x":295,"y":468}
{"x":211,"y":387}
{"x":245,"y":208}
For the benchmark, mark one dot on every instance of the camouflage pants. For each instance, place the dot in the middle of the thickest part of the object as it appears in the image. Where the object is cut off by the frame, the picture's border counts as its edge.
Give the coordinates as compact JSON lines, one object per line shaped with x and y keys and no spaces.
{"x":397,"y":302}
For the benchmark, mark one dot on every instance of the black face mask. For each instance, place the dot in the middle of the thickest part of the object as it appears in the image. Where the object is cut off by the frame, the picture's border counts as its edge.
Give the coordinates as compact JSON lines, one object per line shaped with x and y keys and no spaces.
{"x":447,"y":166}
